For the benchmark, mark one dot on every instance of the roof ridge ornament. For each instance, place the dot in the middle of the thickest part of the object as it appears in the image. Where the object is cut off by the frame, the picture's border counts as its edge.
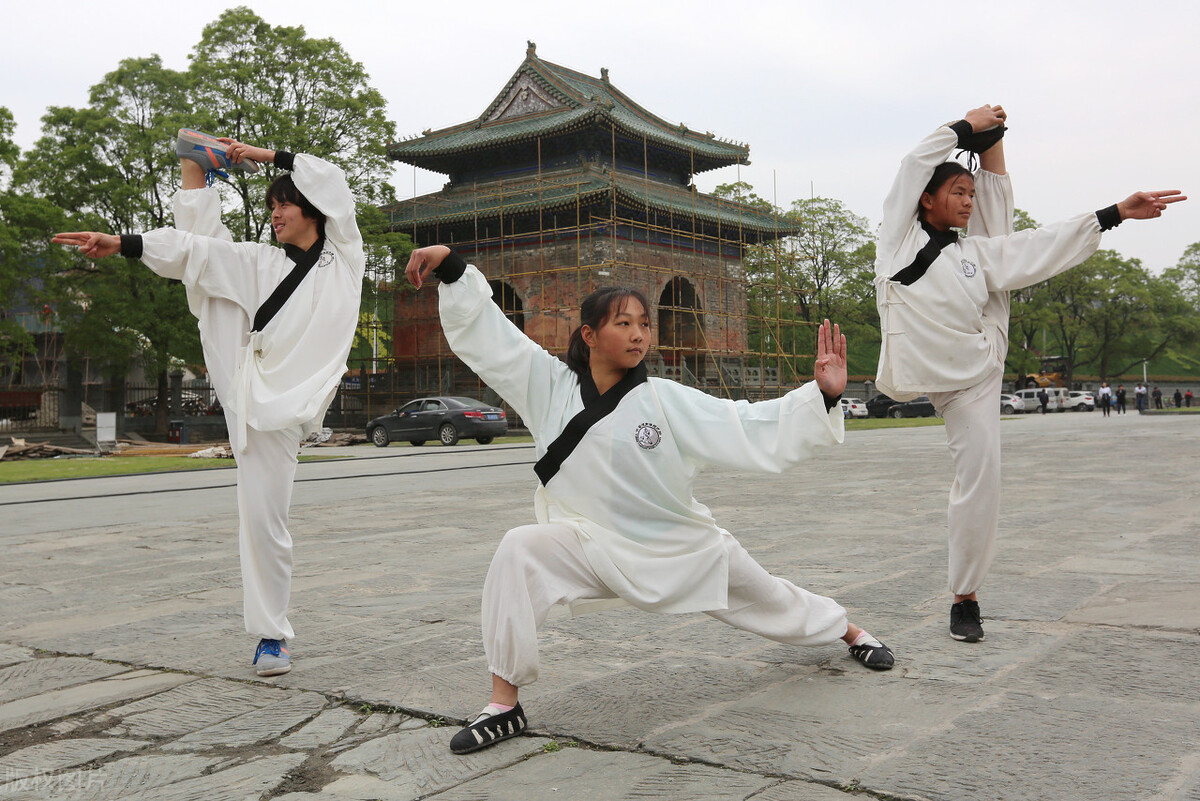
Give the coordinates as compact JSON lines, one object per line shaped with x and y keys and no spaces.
{"x":604,"y":74}
{"x":530,"y":49}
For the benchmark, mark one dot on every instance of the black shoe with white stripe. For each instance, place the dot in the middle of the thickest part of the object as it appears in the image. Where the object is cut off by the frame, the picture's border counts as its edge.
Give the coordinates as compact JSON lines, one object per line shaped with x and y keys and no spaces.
{"x":488,"y":728}
{"x":872,"y":653}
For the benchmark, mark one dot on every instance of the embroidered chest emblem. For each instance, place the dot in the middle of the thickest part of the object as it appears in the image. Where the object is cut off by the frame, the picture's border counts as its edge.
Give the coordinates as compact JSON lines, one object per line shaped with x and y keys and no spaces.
{"x":647,"y":436}
{"x":969,"y":269}
{"x":325,"y":259}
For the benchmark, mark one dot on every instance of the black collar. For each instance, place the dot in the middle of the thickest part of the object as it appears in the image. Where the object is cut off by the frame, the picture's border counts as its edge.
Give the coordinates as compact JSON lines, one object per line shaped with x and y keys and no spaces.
{"x":304,"y":259}
{"x":595,"y":408}
{"x":300,"y":256}
{"x":590,"y":393}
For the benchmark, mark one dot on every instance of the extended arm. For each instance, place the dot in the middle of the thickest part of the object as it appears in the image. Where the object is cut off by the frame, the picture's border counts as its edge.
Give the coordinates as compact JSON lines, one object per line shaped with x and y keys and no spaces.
{"x":509,"y":362}
{"x":1027,"y":257}
{"x":768,"y":436}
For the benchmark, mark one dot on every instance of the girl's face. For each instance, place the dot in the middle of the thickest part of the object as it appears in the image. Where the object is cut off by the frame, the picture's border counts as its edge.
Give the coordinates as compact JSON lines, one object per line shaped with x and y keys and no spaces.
{"x":291,"y":226}
{"x":951,"y":205}
{"x":623,"y":338}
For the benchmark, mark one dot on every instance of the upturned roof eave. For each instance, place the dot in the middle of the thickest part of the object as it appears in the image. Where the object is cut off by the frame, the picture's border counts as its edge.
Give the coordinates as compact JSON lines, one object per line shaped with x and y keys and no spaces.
{"x":733,"y":154}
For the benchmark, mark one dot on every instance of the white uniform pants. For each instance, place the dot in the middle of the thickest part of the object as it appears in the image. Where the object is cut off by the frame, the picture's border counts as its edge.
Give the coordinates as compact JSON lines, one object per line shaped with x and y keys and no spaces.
{"x":539,"y":566}
{"x":264,"y":491}
{"x":972,"y":419}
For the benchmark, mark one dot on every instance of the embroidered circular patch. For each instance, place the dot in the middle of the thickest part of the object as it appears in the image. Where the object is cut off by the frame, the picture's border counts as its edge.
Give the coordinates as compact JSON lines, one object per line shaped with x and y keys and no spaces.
{"x":969,"y":268}
{"x":648,"y":436}
{"x":326,"y":258}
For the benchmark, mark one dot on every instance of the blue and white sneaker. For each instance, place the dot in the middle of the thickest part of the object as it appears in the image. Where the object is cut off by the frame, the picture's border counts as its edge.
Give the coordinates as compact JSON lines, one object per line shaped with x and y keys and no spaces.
{"x":209,"y":152}
{"x":271,"y":658}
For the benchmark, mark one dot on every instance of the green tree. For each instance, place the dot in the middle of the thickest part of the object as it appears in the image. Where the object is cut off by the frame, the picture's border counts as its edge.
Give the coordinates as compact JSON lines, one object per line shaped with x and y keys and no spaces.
{"x":1028,"y":319}
{"x":110,"y":165}
{"x":18,"y":280}
{"x":1186,"y":276}
{"x":276,"y":87}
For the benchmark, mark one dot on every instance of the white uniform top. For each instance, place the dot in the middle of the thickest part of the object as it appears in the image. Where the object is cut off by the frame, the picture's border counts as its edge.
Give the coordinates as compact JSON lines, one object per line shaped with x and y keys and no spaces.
{"x":949,"y":329}
{"x":627,"y":487}
{"x":287,"y":374}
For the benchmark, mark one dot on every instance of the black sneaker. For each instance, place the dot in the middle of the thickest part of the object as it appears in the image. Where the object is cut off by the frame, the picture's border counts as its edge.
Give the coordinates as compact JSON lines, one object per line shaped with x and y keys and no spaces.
{"x":965,"y":622}
{"x":488,"y":728}
{"x":873,"y":654}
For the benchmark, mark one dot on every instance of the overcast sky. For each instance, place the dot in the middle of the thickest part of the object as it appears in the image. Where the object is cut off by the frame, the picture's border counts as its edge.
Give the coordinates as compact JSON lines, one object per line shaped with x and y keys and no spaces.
{"x":829,"y":96}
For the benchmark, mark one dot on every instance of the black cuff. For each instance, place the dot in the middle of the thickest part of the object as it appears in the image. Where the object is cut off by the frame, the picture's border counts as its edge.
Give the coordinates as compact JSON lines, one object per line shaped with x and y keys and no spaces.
{"x":977,"y":142}
{"x":285,"y":160}
{"x":451,"y":268}
{"x":1109,"y":218}
{"x":830,"y":402}
{"x":963,"y":129}
{"x":131,"y":246}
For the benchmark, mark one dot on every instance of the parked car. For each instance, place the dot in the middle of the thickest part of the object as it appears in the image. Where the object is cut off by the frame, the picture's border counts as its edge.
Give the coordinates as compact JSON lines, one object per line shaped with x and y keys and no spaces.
{"x":1011,"y":404}
{"x":1058,"y":399}
{"x":853,"y":407}
{"x":878,"y":406}
{"x":1078,"y":401}
{"x":446,"y":419}
{"x":917,"y":407}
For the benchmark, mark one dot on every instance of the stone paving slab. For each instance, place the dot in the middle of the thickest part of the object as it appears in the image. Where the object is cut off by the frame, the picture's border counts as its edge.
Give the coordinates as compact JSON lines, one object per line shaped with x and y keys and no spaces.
{"x":57,"y":703}
{"x":1070,"y":747}
{"x":11,"y":654}
{"x":263,"y":724}
{"x":197,"y":705}
{"x":47,"y":758}
{"x":1082,"y":690}
{"x":39,"y":675}
{"x":325,"y":729}
{"x":418,"y":763}
{"x":606,"y":776}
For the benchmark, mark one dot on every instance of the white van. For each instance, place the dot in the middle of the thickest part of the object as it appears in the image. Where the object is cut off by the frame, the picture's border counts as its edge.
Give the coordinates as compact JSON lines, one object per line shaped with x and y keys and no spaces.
{"x":1058,"y":399}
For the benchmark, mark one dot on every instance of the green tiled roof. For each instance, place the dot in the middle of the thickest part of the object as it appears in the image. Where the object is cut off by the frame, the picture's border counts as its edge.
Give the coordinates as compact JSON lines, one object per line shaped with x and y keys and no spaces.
{"x":570,"y":101}
{"x":585,"y":188}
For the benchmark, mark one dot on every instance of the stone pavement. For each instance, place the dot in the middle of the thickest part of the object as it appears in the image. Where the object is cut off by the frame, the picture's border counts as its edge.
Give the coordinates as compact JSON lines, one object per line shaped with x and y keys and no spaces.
{"x":124,"y":672}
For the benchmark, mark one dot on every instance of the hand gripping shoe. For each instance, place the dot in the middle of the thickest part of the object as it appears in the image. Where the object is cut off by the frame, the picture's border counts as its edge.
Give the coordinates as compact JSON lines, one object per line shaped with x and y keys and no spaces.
{"x":209,"y":152}
{"x":488,"y":728}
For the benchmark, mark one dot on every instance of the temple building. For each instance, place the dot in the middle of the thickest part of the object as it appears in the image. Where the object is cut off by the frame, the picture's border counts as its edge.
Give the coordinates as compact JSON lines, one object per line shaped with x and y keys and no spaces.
{"x":564,"y":184}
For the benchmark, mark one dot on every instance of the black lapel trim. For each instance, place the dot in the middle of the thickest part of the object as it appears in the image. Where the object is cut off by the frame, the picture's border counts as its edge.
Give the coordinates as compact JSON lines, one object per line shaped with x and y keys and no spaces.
{"x":304,"y":259}
{"x":595,"y":408}
{"x":938,"y":240}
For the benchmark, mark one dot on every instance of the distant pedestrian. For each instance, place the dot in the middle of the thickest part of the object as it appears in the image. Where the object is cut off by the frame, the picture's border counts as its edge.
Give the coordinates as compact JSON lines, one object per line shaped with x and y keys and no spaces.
{"x":1043,"y":398}
{"x":1120,"y":399}
{"x":1187,"y":399}
{"x":1139,"y":394}
{"x":1157,"y":398}
{"x":1178,"y":398}
{"x":1104,"y":398}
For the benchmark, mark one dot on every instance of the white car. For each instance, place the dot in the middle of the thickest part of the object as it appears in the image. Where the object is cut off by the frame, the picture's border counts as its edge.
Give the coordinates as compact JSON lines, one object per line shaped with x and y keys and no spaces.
{"x":1011,"y":404}
{"x":853,"y":407}
{"x":1078,"y":401}
{"x":1058,"y":399}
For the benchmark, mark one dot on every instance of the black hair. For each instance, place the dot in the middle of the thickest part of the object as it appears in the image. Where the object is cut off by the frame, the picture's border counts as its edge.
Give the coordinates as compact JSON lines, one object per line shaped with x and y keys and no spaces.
{"x":283,"y":190}
{"x":945,"y":172}
{"x":593,"y":312}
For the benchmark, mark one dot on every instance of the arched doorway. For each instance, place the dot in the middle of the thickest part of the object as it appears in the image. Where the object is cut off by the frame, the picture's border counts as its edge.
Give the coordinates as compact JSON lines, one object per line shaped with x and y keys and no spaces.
{"x":504,"y":296}
{"x":681,"y":329}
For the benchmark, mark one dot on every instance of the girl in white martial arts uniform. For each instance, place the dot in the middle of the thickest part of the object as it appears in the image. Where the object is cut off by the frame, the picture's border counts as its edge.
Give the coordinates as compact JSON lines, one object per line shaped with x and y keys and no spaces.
{"x":616,"y":520}
{"x":943,"y":309}
{"x":275,"y":359}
